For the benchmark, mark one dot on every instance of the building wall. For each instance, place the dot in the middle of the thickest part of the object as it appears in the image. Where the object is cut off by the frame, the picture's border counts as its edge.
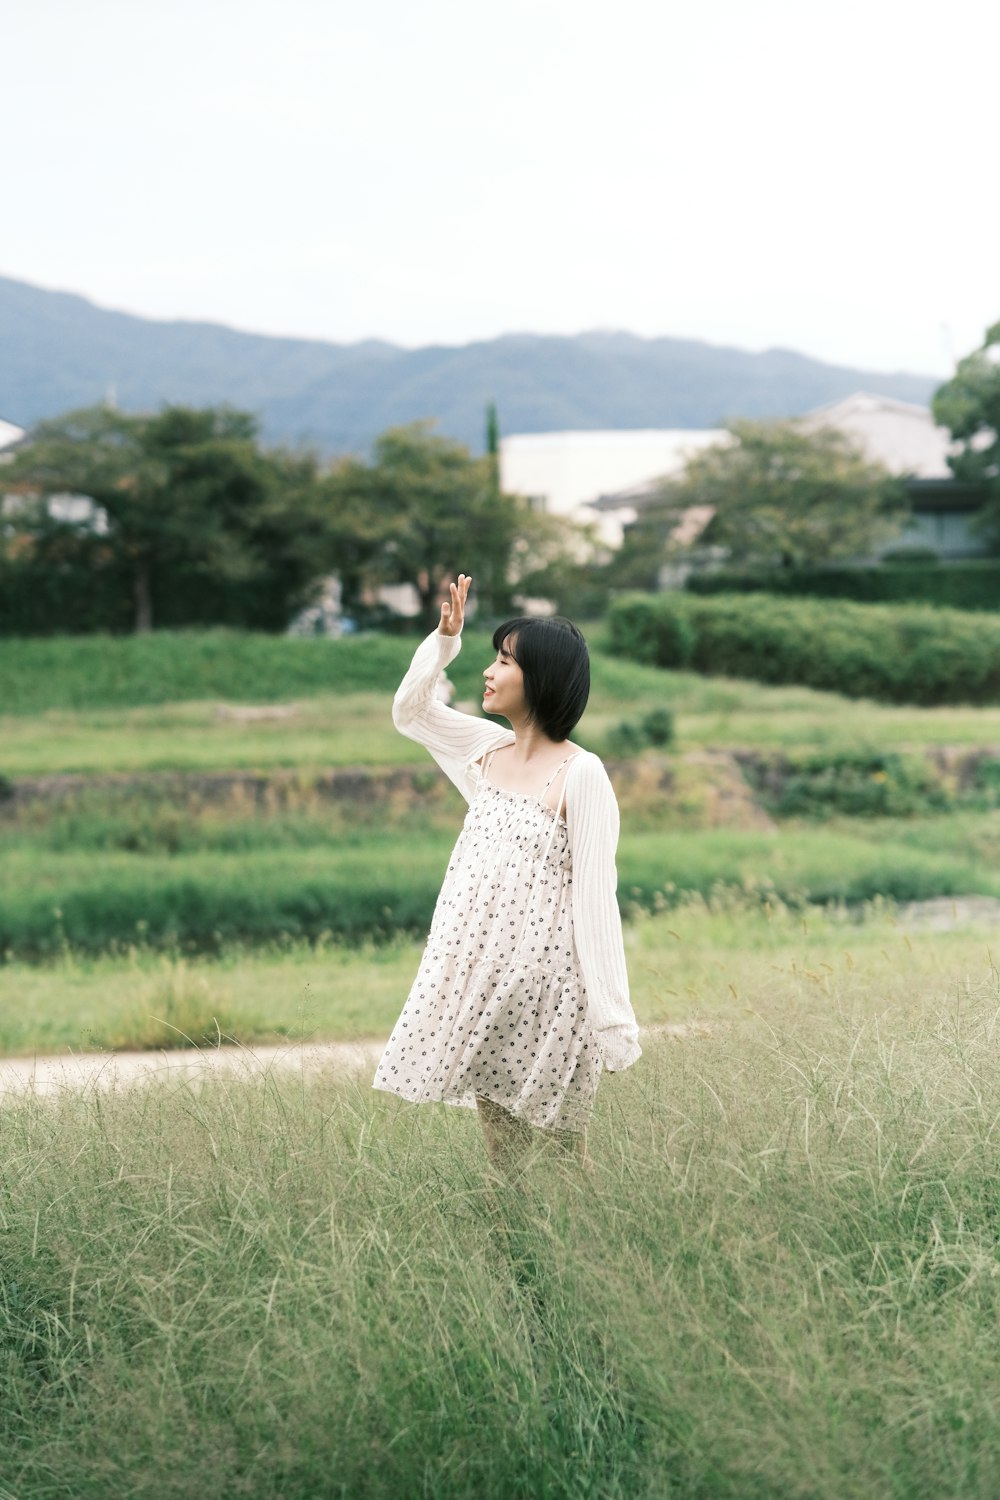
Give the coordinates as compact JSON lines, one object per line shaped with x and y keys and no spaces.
{"x":566,"y":473}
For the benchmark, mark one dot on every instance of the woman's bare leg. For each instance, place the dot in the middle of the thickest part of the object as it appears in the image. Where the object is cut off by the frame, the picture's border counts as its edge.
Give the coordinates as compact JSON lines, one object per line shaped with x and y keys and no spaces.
{"x":506,"y":1137}
{"x":573,"y":1144}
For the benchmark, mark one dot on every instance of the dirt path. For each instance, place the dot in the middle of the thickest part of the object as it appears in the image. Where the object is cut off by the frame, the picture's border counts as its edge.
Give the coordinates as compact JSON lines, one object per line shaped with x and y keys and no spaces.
{"x":108,"y":1070}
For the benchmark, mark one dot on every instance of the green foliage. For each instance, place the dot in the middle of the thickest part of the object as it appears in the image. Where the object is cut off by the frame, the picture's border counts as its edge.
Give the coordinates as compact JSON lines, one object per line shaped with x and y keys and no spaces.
{"x":298,"y":888}
{"x":779,"y":1280}
{"x":425,"y":510}
{"x":969,"y":406}
{"x":855,"y":784}
{"x":204,"y":902}
{"x":431,"y":511}
{"x":193,"y":522}
{"x":957,"y":585}
{"x":898,"y":654}
{"x":174,"y":666}
{"x":781,"y":493}
{"x":655,"y":728}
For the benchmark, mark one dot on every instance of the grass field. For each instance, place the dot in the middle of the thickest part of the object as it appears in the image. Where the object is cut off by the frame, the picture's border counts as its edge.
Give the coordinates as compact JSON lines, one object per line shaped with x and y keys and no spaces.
{"x":703,"y":962}
{"x":182,"y":868}
{"x":352,"y":892}
{"x":128,"y":705}
{"x":780,"y":1280}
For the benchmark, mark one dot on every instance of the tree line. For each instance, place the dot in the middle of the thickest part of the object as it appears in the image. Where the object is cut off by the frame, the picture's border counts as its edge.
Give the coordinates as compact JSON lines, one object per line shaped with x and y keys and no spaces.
{"x":191,"y":521}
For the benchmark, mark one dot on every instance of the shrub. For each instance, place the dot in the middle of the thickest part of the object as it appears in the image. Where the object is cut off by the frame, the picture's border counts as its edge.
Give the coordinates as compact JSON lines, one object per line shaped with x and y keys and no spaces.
{"x":908,"y":575}
{"x":630,"y":735}
{"x":857,"y":784}
{"x":903,"y":654}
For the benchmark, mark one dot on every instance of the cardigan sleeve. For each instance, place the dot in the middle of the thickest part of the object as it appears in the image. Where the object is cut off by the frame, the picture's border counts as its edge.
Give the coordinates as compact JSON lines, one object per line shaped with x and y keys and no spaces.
{"x":455,"y":740}
{"x":593,"y":822}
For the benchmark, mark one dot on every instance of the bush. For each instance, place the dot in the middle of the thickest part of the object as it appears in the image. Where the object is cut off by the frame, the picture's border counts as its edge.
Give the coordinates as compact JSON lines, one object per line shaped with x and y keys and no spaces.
{"x":904,"y":654}
{"x":630,"y":735}
{"x":856,"y":784}
{"x":907,"y":576}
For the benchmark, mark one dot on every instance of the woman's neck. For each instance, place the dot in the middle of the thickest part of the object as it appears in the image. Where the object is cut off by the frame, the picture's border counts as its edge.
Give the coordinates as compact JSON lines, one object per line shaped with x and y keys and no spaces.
{"x":532,"y":743}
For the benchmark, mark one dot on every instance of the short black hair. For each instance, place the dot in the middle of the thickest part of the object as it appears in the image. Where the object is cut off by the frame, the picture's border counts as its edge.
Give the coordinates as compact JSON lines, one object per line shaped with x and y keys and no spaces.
{"x":553,"y":657}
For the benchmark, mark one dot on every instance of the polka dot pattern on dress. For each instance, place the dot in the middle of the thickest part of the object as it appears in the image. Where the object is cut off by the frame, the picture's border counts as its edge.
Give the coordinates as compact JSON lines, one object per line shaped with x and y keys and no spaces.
{"x":498,"y":1007}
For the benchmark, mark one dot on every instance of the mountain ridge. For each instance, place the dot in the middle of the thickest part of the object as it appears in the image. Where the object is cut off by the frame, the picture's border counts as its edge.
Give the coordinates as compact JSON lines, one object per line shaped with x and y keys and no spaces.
{"x":58,"y":350}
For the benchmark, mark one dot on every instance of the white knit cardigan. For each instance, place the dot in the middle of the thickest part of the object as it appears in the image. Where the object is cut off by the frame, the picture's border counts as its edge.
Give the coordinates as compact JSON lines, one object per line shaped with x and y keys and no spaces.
{"x":458,"y":742}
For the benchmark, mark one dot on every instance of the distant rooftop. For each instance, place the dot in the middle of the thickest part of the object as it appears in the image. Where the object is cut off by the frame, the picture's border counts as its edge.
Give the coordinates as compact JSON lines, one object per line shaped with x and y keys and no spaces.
{"x":898,"y":434}
{"x":609,"y":474}
{"x":571,"y":471}
{"x":9,"y":433}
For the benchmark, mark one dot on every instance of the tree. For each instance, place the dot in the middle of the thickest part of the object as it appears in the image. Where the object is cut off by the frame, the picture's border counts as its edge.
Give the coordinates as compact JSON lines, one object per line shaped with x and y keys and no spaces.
{"x":969,"y":406}
{"x":493,"y":445}
{"x":184,"y":501}
{"x":778,"y":493}
{"x":423,"y":511}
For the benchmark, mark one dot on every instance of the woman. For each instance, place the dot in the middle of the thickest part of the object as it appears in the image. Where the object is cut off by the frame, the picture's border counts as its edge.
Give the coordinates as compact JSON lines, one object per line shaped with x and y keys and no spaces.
{"x":522,"y":996}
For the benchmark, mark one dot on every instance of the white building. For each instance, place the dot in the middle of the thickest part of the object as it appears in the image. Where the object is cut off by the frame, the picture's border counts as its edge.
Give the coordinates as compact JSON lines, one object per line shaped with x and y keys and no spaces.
{"x":9,"y":433}
{"x":904,"y":438}
{"x":570,"y":473}
{"x":606,"y":476}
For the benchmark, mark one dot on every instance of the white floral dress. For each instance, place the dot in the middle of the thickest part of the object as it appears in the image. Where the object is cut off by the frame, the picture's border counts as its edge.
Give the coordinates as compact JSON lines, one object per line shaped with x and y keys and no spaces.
{"x":522,"y":992}
{"x":499,"y":1008}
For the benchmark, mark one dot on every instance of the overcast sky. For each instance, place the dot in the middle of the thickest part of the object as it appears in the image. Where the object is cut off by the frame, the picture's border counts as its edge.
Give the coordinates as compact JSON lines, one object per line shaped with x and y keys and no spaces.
{"x":798,"y":173}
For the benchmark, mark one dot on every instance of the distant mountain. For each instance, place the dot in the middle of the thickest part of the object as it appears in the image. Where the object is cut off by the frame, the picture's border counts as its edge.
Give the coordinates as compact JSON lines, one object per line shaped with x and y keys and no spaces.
{"x":59,"y":351}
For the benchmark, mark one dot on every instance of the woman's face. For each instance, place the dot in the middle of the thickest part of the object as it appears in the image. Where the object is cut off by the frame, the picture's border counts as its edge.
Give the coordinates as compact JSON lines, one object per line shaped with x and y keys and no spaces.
{"x":504,"y":691}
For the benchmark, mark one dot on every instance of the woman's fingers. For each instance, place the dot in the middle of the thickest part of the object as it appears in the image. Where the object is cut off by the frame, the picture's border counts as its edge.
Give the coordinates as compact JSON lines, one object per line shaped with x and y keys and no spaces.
{"x":453,"y":608}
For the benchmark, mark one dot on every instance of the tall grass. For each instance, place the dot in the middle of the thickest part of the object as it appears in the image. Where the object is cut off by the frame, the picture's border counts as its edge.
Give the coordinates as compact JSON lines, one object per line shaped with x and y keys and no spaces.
{"x":780,"y":1280}
{"x":700,"y":962}
{"x":387,"y":886}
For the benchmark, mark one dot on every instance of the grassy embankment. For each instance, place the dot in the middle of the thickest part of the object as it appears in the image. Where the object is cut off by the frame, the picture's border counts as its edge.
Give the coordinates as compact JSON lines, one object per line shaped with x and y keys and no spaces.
{"x":136,"y":871}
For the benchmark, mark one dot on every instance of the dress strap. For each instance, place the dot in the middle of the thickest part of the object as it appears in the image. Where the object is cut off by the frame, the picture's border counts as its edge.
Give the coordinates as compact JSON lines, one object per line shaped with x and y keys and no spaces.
{"x":488,"y":762}
{"x":555,"y":773}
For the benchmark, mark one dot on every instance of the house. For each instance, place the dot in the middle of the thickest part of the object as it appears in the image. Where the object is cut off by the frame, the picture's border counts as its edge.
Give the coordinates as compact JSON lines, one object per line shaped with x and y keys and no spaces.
{"x":573,"y":474}
{"x":10,"y":433}
{"x":908,"y":442}
{"x":75,"y":510}
{"x":901,"y":436}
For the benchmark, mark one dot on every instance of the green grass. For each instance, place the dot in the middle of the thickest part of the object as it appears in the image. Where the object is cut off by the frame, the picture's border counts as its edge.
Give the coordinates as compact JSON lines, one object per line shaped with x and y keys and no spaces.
{"x":720,"y":959}
{"x":381,"y":885}
{"x":780,"y":1280}
{"x":88,"y":672}
{"x":150,"y":720}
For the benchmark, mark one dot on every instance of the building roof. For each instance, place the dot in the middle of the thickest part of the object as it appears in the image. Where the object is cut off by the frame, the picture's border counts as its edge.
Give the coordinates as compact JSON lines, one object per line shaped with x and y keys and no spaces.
{"x":9,"y":433}
{"x":902,"y":436}
{"x":575,"y":469}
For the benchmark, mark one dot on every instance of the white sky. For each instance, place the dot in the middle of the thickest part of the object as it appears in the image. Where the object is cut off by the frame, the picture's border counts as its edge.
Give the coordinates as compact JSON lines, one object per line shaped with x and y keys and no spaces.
{"x":754,"y":172}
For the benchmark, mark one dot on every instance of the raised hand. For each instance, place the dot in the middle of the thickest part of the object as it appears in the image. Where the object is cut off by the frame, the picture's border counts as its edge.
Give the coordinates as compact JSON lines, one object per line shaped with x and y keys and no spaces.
{"x":453,"y":610}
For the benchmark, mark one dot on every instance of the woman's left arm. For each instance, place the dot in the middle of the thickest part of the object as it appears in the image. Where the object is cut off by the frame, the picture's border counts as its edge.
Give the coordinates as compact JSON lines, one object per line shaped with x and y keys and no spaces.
{"x":593,"y":823}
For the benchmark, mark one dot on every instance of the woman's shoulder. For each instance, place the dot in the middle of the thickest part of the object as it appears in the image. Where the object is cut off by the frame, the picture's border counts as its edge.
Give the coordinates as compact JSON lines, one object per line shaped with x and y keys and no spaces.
{"x":587,"y":773}
{"x":586,"y":762}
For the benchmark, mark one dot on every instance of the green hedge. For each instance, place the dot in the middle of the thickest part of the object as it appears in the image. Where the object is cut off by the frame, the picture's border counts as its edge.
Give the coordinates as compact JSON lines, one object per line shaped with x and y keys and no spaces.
{"x":94,"y":595}
{"x":963,"y":585}
{"x":903,"y":654}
